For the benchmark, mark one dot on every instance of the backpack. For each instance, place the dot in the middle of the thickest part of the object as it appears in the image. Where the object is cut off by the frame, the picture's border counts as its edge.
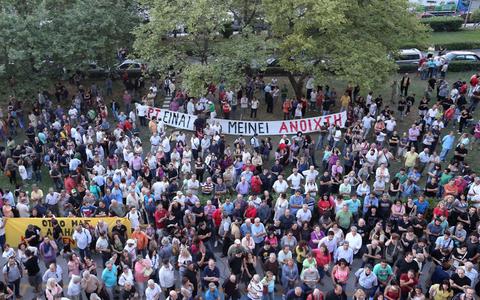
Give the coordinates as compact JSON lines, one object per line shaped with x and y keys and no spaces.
{"x":18,"y":265}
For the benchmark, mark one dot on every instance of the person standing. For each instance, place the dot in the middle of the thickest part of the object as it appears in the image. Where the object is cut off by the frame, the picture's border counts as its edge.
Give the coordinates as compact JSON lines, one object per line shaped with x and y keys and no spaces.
{"x":404,"y":85}
{"x":12,"y":274}
{"x":254,"y":107}
{"x":82,"y":238}
{"x":33,"y":271}
{"x":109,"y":277}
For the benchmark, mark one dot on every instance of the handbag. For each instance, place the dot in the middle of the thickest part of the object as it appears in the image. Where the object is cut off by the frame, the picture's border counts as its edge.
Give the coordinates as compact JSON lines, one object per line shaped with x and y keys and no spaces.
{"x":8,"y":173}
{"x":147,"y":272}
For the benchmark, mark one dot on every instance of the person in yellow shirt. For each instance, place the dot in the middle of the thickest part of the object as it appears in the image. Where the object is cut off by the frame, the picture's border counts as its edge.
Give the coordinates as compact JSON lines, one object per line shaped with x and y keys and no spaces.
{"x":344,"y":102}
{"x":411,"y":158}
{"x":441,"y":291}
{"x":36,"y":195}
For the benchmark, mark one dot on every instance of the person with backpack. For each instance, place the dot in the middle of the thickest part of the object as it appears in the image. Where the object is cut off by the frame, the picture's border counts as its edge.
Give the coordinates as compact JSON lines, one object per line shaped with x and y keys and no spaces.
{"x":82,"y":238}
{"x":12,"y":274}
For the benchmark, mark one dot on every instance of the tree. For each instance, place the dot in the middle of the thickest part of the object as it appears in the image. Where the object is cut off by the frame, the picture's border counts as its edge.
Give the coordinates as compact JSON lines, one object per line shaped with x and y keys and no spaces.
{"x":348,"y":39}
{"x":206,"y":52}
{"x":41,"y":37}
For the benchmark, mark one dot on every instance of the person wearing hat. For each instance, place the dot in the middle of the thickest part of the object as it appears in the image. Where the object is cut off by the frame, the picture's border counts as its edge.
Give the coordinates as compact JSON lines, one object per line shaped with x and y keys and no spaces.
{"x":131,"y":248}
{"x":212,"y":293}
{"x":236,"y":248}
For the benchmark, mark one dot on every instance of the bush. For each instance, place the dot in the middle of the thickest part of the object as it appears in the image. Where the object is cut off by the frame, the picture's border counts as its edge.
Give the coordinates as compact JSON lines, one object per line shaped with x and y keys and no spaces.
{"x":457,"y":66}
{"x":444,"y":23}
{"x":475,"y":16}
{"x":466,"y":45}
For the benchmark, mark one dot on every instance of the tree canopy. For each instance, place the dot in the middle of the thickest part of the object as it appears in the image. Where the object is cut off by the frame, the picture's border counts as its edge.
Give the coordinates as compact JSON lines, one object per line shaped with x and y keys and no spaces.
{"x":348,"y":39}
{"x":208,"y":51}
{"x":39,"y":38}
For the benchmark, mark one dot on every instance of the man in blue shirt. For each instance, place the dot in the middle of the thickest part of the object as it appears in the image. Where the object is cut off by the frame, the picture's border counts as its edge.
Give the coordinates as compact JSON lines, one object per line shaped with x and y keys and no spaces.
{"x":421,"y":204}
{"x":447,"y":145}
{"x":354,"y":206}
{"x":295,"y":202}
{"x":369,"y":201}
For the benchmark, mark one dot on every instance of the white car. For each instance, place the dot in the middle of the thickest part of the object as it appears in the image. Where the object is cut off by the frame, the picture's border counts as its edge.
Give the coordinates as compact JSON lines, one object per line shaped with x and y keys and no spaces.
{"x":408,"y":56}
{"x":461,"y":56}
{"x":133,"y":67}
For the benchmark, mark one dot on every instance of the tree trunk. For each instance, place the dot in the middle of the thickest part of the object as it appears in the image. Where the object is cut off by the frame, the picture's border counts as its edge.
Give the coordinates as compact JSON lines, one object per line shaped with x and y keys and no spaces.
{"x":297,"y":84}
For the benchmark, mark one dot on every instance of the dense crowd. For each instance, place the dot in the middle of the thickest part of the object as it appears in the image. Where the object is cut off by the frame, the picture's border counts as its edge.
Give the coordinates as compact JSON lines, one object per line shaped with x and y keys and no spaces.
{"x":370,"y":201}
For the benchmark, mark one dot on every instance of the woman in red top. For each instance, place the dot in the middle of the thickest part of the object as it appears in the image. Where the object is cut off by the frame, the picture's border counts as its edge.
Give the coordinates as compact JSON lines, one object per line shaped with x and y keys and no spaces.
{"x":440,"y":210}
{"x":256,"y":185}
{"x":392,"y":291}
{"x":324,"y":204}
{"x":323,"y":258}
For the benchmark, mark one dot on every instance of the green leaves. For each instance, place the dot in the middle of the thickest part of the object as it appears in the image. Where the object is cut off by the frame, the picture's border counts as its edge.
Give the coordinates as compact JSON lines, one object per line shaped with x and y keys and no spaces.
{"x":206,"y":53}
{"x":342,"y":38}
{"x":40,"y":37}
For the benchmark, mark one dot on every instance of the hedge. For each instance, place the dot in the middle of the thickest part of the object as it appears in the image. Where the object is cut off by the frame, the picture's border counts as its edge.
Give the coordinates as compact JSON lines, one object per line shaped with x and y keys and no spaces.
{"x":444,"y":23}
{"x":456,"y":66}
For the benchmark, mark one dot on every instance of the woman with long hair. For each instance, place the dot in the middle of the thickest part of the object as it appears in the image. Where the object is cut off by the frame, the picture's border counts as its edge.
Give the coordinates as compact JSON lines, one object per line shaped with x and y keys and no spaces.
{"x":341,"y":273}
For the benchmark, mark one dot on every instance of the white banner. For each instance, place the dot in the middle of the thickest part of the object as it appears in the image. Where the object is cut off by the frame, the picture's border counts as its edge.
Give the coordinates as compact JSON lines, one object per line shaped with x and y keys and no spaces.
{"x":249,"y":128}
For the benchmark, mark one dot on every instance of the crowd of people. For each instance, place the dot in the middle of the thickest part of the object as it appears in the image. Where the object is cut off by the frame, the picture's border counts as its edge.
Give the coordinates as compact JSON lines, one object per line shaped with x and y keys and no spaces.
{"x":217,"y":217}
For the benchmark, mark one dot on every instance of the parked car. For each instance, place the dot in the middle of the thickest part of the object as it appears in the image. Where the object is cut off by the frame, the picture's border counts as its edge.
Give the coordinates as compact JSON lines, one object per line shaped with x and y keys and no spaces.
{"x":461,"y":56}
{"x":408,"y":56}
{"x":133,"y":67}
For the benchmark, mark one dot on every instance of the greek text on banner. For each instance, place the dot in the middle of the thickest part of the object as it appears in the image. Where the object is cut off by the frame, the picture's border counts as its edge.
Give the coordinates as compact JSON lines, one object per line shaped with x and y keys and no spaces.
{"x":15,"y":227}
{"x":249,"y":128}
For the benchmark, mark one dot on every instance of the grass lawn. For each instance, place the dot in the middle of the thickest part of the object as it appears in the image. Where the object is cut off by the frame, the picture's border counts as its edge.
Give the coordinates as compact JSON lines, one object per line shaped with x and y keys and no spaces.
{"x":417,"y":87}
{"x":466,"y":35}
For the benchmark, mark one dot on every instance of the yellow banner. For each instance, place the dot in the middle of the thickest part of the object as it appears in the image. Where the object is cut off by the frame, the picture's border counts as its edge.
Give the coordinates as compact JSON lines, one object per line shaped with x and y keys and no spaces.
{"x":15,"y":227}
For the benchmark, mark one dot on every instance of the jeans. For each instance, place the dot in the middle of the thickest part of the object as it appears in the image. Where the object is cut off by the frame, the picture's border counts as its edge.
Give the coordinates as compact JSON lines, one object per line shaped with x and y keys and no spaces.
{"x":269,"y":296}
{"x":84,"y":252}
{"x":15,"y":286}
{"x":444,"y":153}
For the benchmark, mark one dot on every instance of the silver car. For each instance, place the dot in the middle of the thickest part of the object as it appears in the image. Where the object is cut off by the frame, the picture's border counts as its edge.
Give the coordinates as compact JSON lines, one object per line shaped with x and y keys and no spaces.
{"x":408,"y":57}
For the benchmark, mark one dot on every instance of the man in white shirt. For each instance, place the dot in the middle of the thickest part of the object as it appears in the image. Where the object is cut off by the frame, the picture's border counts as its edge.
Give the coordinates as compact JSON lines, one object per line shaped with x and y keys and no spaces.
{"x":303,"y":215}
{"x":390,"y":125}
{"x":354,"y":240}
{"x":474,"y":192}
{"x":280,"y":185}
{"x":296,"y":180}
{"x":51,"y":200}
{"x":153,"y":291}
{"x":82,"y":238}
{"x":310,"y":174}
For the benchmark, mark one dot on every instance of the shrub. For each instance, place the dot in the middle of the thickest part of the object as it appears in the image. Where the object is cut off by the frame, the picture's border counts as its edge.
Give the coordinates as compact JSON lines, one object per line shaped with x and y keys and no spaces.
{"x":475,"y":16}
{"x":444,"y":23}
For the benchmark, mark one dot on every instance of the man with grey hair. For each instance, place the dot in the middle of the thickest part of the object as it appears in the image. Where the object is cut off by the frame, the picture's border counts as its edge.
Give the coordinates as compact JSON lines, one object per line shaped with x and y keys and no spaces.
{"x":153,"y":291}
{"x":89,"y":283}
{"x":355,"y":240}
{"x":470,"y":272}
{"x":310,"y":278}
